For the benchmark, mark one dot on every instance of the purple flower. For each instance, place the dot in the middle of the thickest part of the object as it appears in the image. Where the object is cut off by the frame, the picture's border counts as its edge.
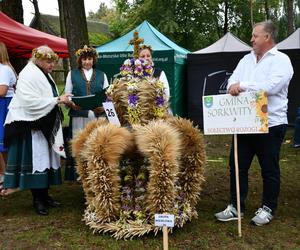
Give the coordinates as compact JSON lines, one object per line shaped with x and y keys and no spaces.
{"x":160,"y":101}
{"x":139,"y":183}
{"x":126,"y":207}
{"x":137,"y":208}
{"x":133,"y":99}
{"x":126,"y":190}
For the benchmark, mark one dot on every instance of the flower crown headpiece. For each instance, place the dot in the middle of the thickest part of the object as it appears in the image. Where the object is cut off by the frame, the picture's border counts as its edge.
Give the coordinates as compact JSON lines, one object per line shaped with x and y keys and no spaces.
{"x":144,"y":46}
{"x":44,"y":55}
{"x":86,"y":51}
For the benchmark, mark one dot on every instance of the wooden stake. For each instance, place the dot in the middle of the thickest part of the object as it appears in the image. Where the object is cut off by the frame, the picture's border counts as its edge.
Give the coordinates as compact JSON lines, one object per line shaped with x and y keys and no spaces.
{"x":165,"y":238}
{"x":237,"y":184}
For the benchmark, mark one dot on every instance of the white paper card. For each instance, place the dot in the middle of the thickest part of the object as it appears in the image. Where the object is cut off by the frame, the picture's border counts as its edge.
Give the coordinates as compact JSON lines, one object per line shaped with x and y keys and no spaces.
{"x":111,"y":113}
{"x":164,"y":220}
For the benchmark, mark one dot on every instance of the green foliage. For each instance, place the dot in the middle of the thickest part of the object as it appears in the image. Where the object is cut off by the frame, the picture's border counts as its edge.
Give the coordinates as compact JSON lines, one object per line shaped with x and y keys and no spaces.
{"x":101,"y":12}
{"x":97,"y":39}
{"x":195,"y":24}
{"x":122,"y":6}
{"x":118,"y":26}
{"x":113,"y":17}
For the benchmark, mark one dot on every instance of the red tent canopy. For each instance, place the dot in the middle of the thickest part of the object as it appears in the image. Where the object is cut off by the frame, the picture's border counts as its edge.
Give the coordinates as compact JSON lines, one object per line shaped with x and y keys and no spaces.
{"x":20,"y":39}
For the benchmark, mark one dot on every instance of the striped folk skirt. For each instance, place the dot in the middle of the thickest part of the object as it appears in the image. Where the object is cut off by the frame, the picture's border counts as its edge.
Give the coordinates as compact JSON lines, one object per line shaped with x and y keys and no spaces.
{"x":18,"y":172}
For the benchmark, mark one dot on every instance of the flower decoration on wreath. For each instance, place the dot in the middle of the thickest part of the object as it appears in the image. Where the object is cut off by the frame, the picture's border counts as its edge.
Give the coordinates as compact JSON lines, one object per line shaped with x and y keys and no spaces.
{"x":145,"y":97}
{"x":136,"y":68}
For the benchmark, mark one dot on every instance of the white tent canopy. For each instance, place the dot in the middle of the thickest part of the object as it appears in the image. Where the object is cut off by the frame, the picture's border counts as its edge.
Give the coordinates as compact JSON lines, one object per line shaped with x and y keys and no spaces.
{"x":228,"y":43}
{"x":291,"y":42}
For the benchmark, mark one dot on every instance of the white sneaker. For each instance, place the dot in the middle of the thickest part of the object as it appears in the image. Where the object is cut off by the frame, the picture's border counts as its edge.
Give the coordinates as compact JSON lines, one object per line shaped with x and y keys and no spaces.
{"x":230,"y":213}
{"x":262,"y":216}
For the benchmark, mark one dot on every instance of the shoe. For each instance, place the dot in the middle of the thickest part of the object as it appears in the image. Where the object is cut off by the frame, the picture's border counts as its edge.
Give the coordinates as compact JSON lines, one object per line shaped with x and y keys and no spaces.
{"x":1,"y":182}
{"x":230,"y":213}
{"x":8,"y":191}
{"x":52,"y":203}
{"x":262,"y":216}
{"x":40,"y":208}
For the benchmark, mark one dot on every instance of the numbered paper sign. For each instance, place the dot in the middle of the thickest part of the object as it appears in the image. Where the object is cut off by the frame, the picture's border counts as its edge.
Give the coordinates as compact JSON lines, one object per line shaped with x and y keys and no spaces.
{"x":111,"y":113}
{"x":164,"y":220}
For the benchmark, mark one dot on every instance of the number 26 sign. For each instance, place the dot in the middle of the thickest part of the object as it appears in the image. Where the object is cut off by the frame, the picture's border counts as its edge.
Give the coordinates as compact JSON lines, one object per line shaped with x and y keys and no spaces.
{"x":111,"y":113}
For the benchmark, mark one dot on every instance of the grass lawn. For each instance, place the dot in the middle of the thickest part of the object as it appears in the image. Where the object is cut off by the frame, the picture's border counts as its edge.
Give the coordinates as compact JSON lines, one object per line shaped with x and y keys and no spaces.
{"x":21,"y":228}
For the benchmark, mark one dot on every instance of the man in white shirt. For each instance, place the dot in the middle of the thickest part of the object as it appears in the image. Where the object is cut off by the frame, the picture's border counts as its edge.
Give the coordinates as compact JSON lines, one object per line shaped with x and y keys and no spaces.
{"x":265,"y":68}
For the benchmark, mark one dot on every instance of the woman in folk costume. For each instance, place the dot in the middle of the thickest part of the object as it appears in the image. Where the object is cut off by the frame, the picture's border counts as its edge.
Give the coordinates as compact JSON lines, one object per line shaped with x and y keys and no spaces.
{"x":7,"y":84}
{"x":33,"y":131}
{"x":82,"y":81}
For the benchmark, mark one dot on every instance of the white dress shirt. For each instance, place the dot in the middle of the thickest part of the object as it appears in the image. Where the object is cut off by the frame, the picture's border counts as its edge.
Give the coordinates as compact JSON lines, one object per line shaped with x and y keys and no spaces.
{"x":272,"y":73}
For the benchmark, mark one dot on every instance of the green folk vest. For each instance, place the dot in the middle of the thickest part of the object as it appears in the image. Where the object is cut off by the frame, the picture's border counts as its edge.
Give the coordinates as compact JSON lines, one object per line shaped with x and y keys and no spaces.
{"x":80,"y":88}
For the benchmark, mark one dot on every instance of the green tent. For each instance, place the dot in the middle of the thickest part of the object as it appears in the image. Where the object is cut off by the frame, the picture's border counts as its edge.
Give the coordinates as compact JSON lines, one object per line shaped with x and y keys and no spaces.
{"x":167,"y":56}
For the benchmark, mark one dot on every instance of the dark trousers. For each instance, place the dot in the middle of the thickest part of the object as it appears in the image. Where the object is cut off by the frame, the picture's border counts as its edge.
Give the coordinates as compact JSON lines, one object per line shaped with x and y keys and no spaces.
{"x":267,"y":148}
{"x":297,"y":132}
{"x":39,"y":194}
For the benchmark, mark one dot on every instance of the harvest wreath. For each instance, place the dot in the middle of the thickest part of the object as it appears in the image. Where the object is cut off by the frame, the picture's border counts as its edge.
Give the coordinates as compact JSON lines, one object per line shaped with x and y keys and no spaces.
{"x":152,"y":164}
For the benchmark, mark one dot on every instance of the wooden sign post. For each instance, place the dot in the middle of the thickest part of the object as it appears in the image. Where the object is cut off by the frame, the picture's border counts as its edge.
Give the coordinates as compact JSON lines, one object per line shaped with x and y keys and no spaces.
{"x":242,"y":114}
{"x":165,"y":238}
{"x":164,"y":221}
{"x":237,"y":185}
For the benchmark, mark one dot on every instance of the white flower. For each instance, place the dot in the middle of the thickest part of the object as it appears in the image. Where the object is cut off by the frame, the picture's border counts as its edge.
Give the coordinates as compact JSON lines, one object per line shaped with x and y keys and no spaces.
{"x":144,"y":62}
{"x":127,"y":62}
{"x":131,"y":86}
{"x":137,"y":62}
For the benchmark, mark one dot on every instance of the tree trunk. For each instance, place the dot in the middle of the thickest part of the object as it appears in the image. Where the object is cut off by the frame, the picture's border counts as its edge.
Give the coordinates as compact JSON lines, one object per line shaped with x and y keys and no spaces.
{"x":76,"y":27}
{"x":267,"y":10}
{"x":13,"y":9}
{"x":63,"y":34}
{"x":225,"y":29}
{"x":251,"y":13}
{"x":37,"y":15}
{"x":290,"y":17}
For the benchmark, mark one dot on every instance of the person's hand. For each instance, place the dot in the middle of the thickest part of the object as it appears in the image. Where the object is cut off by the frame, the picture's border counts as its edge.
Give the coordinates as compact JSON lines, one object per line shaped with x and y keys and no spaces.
{"x":74,"y":106}
{"x":65,"y":99}
{"x":98,"y":110}
{"x":235,"y":89}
